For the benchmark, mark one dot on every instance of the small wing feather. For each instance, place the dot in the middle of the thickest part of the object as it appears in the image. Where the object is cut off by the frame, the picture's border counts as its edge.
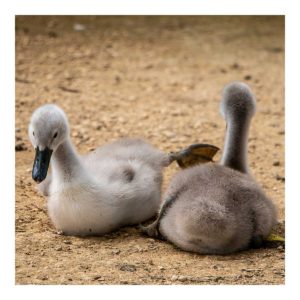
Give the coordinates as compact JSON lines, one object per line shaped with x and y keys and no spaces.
{"x":195,"y":154}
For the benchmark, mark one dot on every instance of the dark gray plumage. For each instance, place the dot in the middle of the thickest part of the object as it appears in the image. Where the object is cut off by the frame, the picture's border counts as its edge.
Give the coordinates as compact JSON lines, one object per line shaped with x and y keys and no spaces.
{"x":219,"y":209}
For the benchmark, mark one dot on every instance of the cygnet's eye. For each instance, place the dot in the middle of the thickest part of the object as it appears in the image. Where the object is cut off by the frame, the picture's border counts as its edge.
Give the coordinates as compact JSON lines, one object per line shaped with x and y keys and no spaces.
{"x":55,"y":135}
{"x":33,"y":133}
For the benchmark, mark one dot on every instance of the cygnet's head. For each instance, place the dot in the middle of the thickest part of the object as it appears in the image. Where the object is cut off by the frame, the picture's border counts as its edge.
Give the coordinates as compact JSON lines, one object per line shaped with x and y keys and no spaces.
{"x":238,"y":102}
{"x":48,"y":128}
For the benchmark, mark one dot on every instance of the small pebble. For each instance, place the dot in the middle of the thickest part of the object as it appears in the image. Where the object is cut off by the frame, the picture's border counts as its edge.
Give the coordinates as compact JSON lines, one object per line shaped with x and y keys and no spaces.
{"x":127,"y":268}
{"x":280,"y":178}
{"x":182,"y":278}
{"x":43,"y":277}
{"x":169,"y":134}
{"x":115,"y":251}
{"x":98,"y":278}
{"x":52,"y":34}
{"x":79,"y":27}
{"x":124,"y":282}
{"x":20,"y":146}
{"x":275,"y":49}
{"x":117,"y":79}
{"x":279,"y":273}
{"x":149,"y":66}
{"x":235,"y":66}
{"x":67,"y":242}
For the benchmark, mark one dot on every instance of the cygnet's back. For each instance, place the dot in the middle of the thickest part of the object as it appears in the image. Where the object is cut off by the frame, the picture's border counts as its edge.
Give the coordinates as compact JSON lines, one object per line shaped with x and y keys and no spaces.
{"x":219,"y":209}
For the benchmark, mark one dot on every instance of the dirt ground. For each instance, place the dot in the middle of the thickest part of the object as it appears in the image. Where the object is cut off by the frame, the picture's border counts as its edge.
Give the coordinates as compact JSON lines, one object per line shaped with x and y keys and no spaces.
{"x":159,"y":78}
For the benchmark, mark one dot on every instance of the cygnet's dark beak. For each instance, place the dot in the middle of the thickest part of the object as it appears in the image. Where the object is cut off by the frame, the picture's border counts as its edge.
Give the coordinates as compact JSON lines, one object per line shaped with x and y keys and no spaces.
{"x":41,"y":164}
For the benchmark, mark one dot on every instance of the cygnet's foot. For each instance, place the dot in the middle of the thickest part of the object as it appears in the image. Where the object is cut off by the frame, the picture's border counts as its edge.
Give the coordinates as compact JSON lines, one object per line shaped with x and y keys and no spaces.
{"x":60,"y":232}
{"x":273,"y":237}
{"x":274,"y":241}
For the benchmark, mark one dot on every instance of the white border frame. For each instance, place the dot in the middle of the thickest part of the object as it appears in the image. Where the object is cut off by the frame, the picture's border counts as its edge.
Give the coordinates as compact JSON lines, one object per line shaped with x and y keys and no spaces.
{"x":143,"y":7}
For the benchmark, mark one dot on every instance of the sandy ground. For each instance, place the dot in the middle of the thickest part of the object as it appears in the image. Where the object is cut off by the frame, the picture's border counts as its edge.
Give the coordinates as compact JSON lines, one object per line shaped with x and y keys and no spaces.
{"x":157,"y":78}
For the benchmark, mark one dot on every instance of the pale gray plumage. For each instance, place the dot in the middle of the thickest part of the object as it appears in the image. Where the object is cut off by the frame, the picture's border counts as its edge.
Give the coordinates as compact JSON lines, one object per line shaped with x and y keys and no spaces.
{"x":115,"y":185}
{"x":219,"y":209}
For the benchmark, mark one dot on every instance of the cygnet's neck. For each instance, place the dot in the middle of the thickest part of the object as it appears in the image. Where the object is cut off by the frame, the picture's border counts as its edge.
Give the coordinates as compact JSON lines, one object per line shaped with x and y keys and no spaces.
{"x":236,"y":145}
{"x":65,"y":162}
